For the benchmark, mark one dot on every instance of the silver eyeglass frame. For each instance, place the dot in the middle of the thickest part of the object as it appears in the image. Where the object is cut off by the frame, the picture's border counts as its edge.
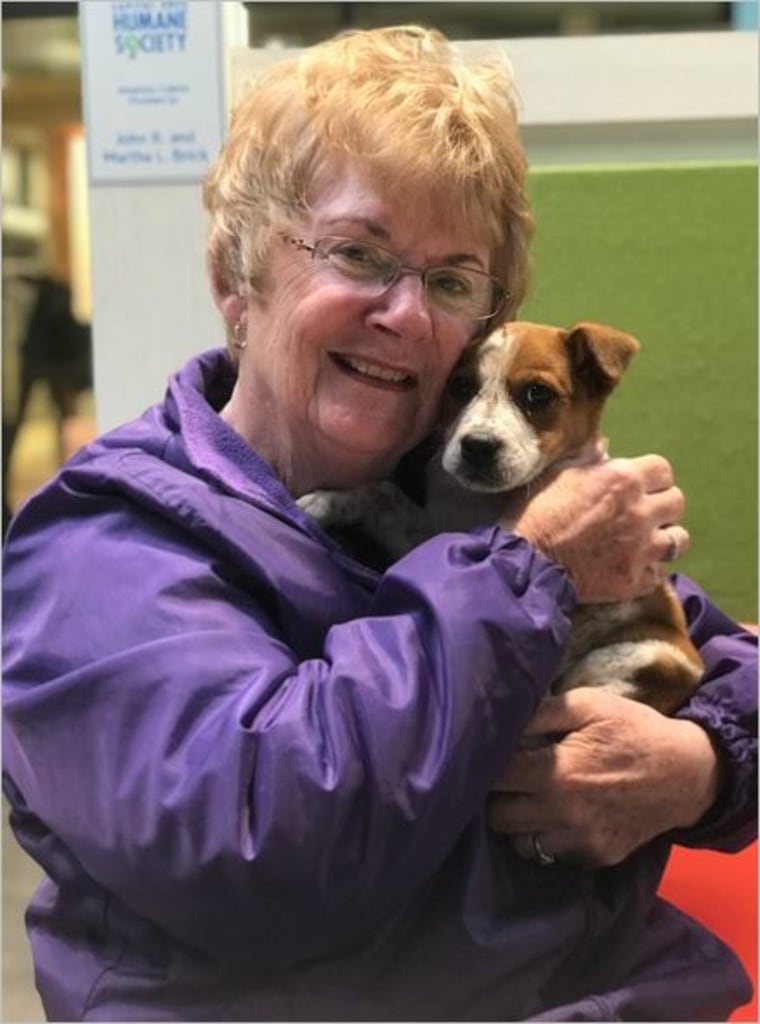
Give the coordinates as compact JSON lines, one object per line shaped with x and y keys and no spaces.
{"x":400,"y":269}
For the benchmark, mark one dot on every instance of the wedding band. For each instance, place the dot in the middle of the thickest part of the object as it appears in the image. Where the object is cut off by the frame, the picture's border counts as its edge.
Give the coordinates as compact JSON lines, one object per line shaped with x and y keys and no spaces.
{"x":540,"y":856}
{"x":672,"y":553}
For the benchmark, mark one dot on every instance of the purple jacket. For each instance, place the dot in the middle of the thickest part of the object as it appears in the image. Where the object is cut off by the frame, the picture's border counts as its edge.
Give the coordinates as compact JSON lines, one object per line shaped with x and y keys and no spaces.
{"x":254,"y":771}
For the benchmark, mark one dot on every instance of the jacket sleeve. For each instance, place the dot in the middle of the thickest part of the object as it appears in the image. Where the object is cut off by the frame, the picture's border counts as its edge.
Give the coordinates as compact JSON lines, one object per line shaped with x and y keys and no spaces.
{"x":726,"y":706}
{"x":249,"y":801}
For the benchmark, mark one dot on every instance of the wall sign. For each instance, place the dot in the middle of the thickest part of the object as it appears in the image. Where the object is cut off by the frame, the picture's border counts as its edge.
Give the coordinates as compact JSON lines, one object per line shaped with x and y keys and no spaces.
{"x":153,"y":89}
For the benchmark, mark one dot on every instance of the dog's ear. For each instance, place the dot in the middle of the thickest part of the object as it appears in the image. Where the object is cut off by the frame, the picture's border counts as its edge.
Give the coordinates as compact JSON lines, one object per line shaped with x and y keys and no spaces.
{"x":600,"y":353}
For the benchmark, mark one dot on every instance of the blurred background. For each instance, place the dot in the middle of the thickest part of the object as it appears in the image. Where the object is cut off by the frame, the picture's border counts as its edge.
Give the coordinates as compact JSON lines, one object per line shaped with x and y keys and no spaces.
{"x":47,"y":399}
{"x":47,"y":407}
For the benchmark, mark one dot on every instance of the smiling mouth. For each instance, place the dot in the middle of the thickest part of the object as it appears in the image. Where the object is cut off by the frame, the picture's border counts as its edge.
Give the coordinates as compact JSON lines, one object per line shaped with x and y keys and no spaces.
{"x":372,"y":373}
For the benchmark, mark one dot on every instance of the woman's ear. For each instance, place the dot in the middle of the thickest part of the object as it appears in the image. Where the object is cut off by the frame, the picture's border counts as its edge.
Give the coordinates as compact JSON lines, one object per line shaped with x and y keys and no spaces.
{"x":230,"y":304}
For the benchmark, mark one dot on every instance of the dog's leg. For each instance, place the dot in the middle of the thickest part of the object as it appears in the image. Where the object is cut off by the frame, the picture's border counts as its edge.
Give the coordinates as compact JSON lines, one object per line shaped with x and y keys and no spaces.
{"x":640,"y":649}
{"x":334,"y":508}
{"x":381,"y":510}
{"x":654,"y":671}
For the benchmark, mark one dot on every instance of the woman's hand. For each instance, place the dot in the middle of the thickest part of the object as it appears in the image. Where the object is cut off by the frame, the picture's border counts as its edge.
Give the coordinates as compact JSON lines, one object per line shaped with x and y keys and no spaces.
{"x":610,"y":524}
{"x":606,"y":775}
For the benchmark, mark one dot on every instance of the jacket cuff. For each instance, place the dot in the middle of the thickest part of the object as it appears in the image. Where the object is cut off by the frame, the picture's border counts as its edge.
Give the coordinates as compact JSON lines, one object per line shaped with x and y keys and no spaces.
{"x":731,"y":823}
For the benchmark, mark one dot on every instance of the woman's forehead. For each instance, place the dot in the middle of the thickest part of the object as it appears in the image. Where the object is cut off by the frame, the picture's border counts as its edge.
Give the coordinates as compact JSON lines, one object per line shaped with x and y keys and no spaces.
{"x":391,"y":216}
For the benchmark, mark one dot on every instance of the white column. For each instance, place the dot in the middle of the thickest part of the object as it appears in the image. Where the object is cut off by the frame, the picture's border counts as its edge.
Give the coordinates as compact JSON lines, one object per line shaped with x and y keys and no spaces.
{"x":151,"y":305}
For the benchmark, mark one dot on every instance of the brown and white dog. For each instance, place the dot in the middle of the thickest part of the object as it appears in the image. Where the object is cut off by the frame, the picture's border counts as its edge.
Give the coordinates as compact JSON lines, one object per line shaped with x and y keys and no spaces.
{"x":524,"y":400}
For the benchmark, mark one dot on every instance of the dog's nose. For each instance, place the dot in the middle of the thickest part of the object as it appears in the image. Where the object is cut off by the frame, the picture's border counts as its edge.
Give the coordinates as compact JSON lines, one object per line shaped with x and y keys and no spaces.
{"x":479,"y":449}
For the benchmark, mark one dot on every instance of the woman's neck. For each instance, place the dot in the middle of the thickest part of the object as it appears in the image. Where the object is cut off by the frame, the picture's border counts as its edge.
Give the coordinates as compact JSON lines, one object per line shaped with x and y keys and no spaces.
{"x":319,"y":466}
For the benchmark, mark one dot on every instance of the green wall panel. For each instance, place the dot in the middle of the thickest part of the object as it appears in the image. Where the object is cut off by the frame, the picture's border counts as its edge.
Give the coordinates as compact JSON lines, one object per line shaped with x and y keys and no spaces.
{"x":669,"y":253}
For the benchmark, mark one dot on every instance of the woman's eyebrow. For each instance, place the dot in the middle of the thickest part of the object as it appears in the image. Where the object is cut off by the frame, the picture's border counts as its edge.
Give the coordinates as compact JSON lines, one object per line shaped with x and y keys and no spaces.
{"x":376,"y":229}
{"x":373,"y":227}
{"x":462,"y":257}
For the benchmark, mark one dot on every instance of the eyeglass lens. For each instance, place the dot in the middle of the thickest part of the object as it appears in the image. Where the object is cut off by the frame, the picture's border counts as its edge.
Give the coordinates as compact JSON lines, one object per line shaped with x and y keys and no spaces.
{"x":454,"y":289}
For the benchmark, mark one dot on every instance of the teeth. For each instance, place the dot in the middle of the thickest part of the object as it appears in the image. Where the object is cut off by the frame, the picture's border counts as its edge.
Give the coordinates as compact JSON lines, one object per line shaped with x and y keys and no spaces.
{"x":371,"y":370}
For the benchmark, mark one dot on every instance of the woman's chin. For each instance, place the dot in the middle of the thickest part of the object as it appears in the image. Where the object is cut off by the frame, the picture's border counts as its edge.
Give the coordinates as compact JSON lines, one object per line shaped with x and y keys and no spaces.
{"x":374,"y":442}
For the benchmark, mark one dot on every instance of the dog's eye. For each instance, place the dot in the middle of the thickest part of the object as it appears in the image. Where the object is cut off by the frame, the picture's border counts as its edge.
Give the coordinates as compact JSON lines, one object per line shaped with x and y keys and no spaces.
{"x":462,"y":387}
{"x":536,"y":396}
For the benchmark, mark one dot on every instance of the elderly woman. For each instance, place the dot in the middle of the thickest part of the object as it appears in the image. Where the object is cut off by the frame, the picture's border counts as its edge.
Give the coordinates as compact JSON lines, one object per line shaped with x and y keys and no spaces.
{"x":257,"y":772}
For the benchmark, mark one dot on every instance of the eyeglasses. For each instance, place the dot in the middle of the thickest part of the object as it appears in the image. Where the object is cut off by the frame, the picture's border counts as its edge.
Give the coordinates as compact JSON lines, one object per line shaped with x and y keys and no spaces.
{"x":373,"y":270}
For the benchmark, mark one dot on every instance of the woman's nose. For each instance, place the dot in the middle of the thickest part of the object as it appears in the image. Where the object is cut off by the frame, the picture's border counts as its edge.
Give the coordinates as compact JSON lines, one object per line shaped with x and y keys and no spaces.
{"x":404,"y":307}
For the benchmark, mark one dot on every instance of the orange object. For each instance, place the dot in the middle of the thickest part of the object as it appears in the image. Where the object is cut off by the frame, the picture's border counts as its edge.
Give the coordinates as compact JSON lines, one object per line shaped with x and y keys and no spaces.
{"x":720,"y":891}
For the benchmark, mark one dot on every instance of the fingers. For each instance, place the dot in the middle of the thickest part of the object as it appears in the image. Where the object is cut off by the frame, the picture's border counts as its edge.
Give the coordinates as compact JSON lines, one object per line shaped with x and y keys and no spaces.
{"x":672,"y":542}
{"x":560,"y":714}
{"x":511,"y":815}
{"x":527,"y":771}
{"x":525,"y":820}
{"x":556,"y":716}
{"x":533,"y":766}
{"x":623,"y":775}
{"x":655,"y":472}
{"x":611,"y":524}
{"x":665,"y":505}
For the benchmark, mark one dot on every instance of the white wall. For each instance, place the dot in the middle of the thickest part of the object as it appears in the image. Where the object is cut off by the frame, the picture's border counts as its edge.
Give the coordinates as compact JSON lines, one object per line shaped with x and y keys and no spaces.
{"x":621,"y":98}
{"x":151,"y":304}
{"x":585,"y":100}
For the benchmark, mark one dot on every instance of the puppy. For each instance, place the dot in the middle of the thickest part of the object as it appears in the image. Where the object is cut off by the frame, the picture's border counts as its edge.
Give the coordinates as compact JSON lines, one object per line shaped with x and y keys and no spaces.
{"x":526,"y":399}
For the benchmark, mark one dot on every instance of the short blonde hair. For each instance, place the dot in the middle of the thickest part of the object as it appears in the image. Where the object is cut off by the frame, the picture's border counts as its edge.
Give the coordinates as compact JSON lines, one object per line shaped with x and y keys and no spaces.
{"x":403,"y":106}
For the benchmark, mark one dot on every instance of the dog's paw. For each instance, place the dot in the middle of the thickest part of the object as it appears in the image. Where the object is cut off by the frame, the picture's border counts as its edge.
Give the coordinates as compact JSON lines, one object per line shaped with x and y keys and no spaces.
{"x":381,"y":510}
{"x":349,"y":508}
{"x":331,"y":508}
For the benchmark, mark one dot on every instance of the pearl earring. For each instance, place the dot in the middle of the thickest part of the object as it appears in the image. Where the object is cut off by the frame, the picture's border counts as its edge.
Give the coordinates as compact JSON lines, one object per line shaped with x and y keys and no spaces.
{"x":238,"y":335}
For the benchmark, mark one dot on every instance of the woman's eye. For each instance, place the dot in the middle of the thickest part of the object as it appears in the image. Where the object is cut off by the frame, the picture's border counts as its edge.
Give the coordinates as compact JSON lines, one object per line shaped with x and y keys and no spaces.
{"x":536,"y":396}
{"x":449,"y":284}
{"x":353,"y":253}
{"x":359,"y":261}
